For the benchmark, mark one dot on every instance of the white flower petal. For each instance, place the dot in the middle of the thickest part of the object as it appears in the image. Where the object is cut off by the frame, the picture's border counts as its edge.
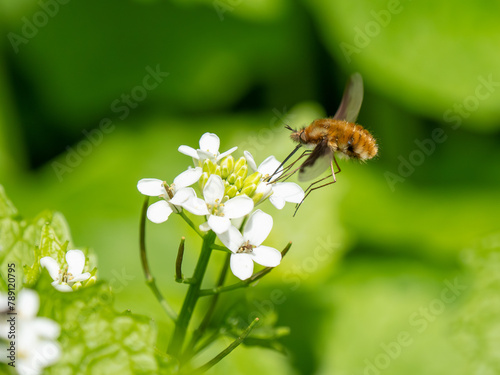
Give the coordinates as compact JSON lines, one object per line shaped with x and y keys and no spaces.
{"x":151,"y":187}
{"x":46,"y":354}
{"x":219,"y":224}
{"x":213,"y":192}
{"x":224,"y":154}
{"x":210,"y":142}
{"x":81,"y":277}
{"x":62,"y":287}
{"x":250,"y":160}
{"x":277,"y":201}
{"x":269,"y":166}
{"x":76,"y":261}
{"x":204,"y":227}
{"x":28,"y":303}
{"x":189,"y":151}
{"x":182,"y":196}
{"x":289,"y":191}
{"x":232,"y":239}
{"x":238,"y":206}
{"x":241,"y":265}
{"x":266,"y":256}
{"x":187,"y":178}
{"x":258,"y":227}
{"x":196,"y":206}
{"x":52,"y":266}
{"x":159,"y":212}
{"x":202,"y":155}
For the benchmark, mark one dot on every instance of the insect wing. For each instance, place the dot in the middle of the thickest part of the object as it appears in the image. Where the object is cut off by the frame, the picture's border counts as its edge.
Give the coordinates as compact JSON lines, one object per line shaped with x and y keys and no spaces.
{"x":351,"y":100}
{"x":316,"y":163}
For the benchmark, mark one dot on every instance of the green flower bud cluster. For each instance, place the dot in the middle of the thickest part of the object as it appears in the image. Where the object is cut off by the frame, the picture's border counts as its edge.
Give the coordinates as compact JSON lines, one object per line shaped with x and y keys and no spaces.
{"x":235,"y":176}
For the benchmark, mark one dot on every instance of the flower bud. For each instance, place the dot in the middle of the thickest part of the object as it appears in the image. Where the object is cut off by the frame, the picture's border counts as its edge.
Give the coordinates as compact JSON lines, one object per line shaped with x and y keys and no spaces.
{"x":91,"y":281}
{"x":231,"y":192}
{"x":249,"y":190}
{"x":77,"y":286}
{"x":217,"y":170}
{"x":242,"y":172}
{"x":203,"y":180}
{"x":263,"y":191}
{"x":240,"y":163}
{"x":253,"y":179}
{"x":227,"y":166}
{"x":238,"y":183}
{"x":232,"y":178}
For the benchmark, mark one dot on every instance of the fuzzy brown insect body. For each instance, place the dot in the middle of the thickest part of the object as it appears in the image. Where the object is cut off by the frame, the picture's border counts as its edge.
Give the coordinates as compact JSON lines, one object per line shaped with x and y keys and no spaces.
{"x":349,"y":139}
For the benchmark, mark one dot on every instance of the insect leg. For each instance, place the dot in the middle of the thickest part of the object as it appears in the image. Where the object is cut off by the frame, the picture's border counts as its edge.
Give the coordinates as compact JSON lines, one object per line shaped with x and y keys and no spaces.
{"x":310,"y":189}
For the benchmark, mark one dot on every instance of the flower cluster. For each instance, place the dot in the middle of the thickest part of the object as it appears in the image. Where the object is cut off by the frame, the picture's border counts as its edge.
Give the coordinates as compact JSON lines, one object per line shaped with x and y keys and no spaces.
{"x":36,"y":345}
{"x":230,"y":190}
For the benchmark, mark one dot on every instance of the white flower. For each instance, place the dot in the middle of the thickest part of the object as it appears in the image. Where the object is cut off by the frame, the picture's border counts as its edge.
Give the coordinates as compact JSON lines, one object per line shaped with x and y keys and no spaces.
{"x":281,"y":191}
{"x":36,"y":345}
{"x":66,"y":277}
{"x":218,"y":211}
{"x":247,"y":248}
{"x":173,"y":196}
{"x":209,"y":149}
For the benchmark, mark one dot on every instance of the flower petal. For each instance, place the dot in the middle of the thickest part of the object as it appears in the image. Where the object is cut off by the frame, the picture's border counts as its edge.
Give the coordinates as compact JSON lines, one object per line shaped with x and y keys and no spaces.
{"x":210,"y":142}
{"x":151,"y":187}
{"x":232,"y":239}
{"x":46,"y":328}
{"x":189,"y":151}
{"x":224,"y":154}
{"x":29,"y":303}
{"x":196,"y":206}
{"x":238,"y":206}
{"x":258,"y":227}
{"x":250,"y":160}
{"x":81,"y":277}
{"x":187,"y":178}
{"x":213,"y":192}
{"x":52,"y":266}
{"x":76,"y":261}
{"x":289,"y":191}
{"x":62,"y":287}
{"x":266,"y":256}
{"x":182,"y":196}
{"x":269,"y":166}
{"x":241,"y":265}
{"x":219,"y":224}
{"x":202,"y":155}
{"x":277,"y":201}
{"x":159,"y":212}
{"x":204,"y":227}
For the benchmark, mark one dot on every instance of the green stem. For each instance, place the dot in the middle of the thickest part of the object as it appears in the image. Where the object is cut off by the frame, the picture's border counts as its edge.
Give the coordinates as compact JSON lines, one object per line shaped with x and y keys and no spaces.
{"x":198,"y":333}
{"x":191,"y":224}
{"x":192,"y":296}
{"x":226,"y":351}
{"x":150,"y":280}
{"x":244,"y":283}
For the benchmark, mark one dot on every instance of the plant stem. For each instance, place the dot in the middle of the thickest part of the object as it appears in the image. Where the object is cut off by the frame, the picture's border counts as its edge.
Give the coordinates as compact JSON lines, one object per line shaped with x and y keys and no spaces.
{"x":192,"y":296}
{"x":150,"y":280}
{"x":226,"y":351}
{"x":178,"y":261}
{"x":191,"y":224}
{"x":198,"y":333}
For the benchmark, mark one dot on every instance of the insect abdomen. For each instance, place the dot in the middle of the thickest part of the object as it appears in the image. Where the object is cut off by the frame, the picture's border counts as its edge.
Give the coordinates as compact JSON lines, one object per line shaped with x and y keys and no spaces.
{"x":352,"y":140}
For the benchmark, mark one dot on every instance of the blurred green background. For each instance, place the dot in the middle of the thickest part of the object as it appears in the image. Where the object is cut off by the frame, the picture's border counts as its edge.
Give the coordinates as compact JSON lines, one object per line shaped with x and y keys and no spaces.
{"x":393,"y":269}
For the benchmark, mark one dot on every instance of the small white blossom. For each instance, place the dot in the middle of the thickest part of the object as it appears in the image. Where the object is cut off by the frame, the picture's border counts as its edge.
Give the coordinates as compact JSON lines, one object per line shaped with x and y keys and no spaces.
{"x":209,"y":149}
{"x":36,"y":345}
{"x":247,"y":248}
{"x":278,"y":192}
{"x":218,"y":211}
{"x":67,"y":276}
{"x":173,"y":198}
